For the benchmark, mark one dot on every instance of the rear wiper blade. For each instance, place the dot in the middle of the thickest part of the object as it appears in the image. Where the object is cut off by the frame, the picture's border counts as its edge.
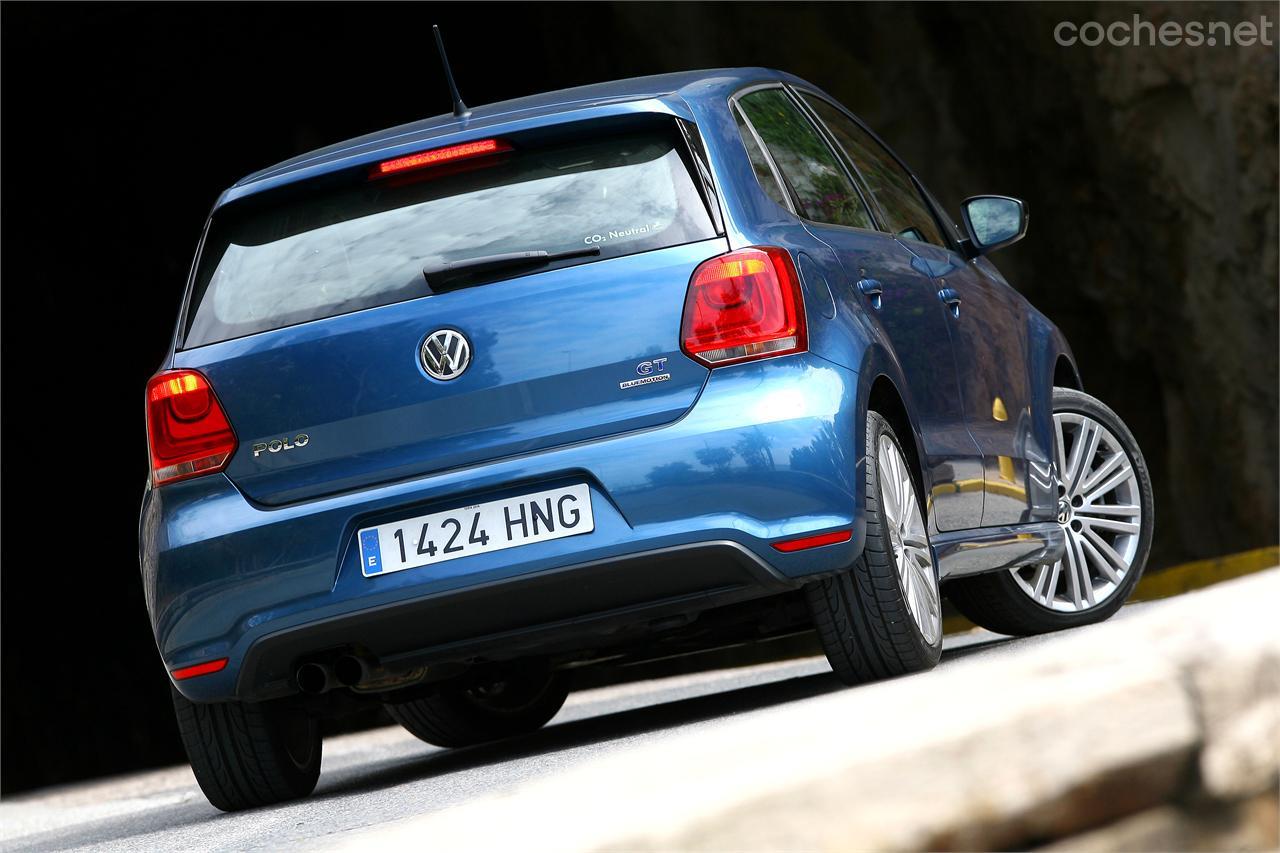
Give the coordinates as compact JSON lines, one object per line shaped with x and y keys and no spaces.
{"x":439,"y":275}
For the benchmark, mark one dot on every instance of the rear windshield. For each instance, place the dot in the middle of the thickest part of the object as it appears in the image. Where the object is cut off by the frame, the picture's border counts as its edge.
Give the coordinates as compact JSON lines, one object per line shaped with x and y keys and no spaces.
{"x":269,"y":265}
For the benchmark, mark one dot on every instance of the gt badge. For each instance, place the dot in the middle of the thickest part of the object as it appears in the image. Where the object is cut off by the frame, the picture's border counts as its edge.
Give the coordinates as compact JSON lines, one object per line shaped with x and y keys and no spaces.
{"x":650,"y":372}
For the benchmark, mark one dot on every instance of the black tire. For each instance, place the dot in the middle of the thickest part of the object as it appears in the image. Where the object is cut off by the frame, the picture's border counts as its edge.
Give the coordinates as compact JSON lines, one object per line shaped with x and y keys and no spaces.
{"x":996,"y":602}
{"x":484,"y":707}
{"x":249,"y":754}
{"x":863,"y":620}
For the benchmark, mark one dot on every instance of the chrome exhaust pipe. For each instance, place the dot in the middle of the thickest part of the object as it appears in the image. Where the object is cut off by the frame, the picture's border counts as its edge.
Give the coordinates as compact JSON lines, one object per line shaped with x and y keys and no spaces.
{"x":351,"y":670}
{"x":315,"y":678}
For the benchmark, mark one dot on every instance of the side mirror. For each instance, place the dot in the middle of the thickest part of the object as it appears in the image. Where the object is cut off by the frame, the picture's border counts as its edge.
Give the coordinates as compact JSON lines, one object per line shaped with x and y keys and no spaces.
{"x":993,"y":221}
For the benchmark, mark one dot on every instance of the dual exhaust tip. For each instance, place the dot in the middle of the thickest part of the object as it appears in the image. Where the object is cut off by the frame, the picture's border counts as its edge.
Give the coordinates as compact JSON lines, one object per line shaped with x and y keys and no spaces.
{"x":346,"y":671}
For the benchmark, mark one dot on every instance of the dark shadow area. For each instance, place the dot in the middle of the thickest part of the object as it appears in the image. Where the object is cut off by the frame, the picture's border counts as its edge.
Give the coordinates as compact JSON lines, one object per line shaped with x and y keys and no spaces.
{"x":118,"y":828}
{"x":1150,"y":174}
{"x":439,"y":764}
{"x":592,"y":730}
{"x":952,"y":654}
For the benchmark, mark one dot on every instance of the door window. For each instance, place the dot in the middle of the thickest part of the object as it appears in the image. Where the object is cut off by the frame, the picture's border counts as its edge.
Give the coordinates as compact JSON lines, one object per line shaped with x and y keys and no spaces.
{"x":906,"y":213}
{"x":822,"y":189}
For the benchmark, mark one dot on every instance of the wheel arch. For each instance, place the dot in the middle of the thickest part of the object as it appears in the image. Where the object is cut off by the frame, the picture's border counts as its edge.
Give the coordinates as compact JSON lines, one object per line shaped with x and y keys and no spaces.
{"x":1059,"y":357}
{"x":884,"y":398}
{"x":884,"y":390}
{"x":1052,"y":365}
{"x":1065,"y":374}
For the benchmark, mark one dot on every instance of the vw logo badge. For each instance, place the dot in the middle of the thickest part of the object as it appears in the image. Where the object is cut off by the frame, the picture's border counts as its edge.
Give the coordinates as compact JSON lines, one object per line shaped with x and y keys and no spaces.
{"x":445,"y":354}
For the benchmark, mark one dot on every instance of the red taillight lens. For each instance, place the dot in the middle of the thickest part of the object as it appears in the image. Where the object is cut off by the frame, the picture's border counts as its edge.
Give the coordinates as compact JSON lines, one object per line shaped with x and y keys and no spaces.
{"x":439,"y":157}
{"x":744,"y":305}
{"x":186,"y":427}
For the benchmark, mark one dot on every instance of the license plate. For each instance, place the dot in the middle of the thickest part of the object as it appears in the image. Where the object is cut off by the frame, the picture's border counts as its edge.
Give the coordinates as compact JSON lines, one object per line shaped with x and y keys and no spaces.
{"x":492,"y":526}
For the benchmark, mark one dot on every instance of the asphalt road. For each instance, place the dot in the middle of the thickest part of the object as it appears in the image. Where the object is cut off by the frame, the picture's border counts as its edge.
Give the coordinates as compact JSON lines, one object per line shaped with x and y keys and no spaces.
{"x":383,"y":775}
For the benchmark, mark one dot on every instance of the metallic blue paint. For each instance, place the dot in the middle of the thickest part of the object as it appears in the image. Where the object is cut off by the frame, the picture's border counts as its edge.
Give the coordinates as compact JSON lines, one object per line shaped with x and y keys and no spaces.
{"x":545,"y":371}
{"x":762,"y":456}
{"x":749,"y":454}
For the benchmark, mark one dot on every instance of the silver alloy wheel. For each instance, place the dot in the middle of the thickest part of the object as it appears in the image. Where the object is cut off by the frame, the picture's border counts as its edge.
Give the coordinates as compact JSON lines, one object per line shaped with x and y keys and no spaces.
{"x":912,"y":556}
{"x":1100,"y":511}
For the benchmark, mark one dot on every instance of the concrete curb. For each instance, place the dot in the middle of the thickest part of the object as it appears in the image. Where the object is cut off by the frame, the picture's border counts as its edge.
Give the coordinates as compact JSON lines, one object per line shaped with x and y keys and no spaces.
{"x":1177,"y":703}
{"x":1199,"y":574}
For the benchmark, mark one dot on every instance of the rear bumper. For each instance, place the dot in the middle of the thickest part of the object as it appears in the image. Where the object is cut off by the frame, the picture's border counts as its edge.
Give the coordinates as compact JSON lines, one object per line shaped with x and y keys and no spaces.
{"x":558,"y":610}
{"x":685,"y":518}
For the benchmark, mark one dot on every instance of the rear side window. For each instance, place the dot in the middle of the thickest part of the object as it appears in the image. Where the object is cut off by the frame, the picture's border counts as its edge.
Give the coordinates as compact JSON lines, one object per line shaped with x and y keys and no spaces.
{"x":759,"y":163}
{"x":905,"y":211}
{"x":269,"y":263}
{"x":815,"y":177}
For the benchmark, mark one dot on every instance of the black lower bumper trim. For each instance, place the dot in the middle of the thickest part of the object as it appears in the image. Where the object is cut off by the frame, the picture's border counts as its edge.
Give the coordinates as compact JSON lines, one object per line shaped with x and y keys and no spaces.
{"x":572,"y":607}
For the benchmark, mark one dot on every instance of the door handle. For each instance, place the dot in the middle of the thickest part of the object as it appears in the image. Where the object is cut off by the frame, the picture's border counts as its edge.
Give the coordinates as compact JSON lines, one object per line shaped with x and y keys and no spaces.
{"x":872,"y":289}
{"x":951,"y":299}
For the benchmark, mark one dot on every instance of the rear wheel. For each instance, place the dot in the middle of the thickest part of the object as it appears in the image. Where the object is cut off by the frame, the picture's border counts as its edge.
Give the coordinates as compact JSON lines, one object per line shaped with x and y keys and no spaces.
{"x":249,"y":754}
{"x":883,"y":617}
{"x":1106,"y":511}
{"x":486,"y":706}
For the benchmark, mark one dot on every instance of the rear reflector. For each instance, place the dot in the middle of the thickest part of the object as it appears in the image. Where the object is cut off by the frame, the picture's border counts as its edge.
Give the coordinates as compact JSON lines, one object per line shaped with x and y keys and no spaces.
{"x":187,"y":430}
{"x":439,"y":156}
{"x":814,"y":541}
{"x":742,"y":306}
{"x":199,"y":669}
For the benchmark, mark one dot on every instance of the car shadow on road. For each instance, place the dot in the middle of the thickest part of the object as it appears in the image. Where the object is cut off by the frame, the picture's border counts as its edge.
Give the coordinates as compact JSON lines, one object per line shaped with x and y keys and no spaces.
{"x":442,"y":763}
{"x":115,"y":829}
{"x":601,"y":728}
{"x":584,"y":732}
{"x":986,"y":643}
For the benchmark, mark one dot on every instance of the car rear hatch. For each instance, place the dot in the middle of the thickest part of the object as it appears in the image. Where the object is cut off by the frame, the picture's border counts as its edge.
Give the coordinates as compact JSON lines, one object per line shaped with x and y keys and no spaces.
{"x":310,"y":307}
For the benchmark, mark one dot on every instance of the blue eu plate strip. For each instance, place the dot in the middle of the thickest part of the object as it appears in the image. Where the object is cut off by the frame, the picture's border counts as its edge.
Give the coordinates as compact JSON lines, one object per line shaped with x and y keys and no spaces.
{"x":370,"y":554}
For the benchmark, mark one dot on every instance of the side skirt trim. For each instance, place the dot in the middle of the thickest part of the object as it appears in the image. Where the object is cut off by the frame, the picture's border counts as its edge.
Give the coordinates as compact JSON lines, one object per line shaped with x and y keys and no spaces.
{"x":991,"y":549}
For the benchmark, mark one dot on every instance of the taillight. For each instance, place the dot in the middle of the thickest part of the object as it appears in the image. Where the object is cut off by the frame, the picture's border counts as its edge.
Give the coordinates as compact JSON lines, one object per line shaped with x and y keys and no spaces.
{"x":439,"y":157}
{"x":742,"y":306}
{"x":188,"y":432}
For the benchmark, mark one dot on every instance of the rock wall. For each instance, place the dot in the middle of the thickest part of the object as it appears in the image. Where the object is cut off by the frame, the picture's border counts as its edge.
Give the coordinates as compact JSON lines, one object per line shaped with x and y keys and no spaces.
{"x":1151,"y":174}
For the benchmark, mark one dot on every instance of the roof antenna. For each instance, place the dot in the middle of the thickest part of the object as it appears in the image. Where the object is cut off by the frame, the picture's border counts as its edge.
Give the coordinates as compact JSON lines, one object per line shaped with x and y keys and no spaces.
{"x":459,"y":109}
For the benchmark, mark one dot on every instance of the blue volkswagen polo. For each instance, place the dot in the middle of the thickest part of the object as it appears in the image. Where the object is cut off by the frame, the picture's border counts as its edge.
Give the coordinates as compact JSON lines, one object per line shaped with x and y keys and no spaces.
{"x":606,"y":374}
